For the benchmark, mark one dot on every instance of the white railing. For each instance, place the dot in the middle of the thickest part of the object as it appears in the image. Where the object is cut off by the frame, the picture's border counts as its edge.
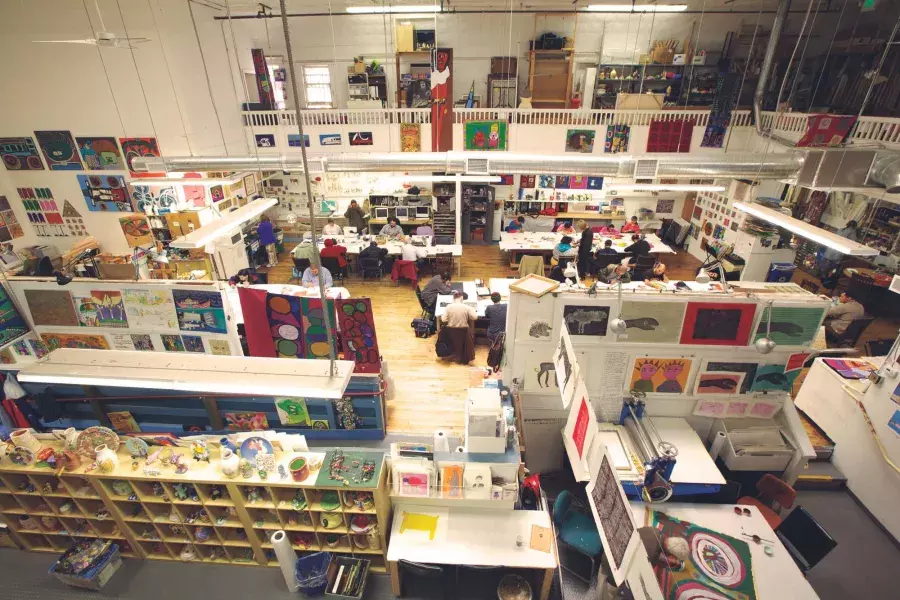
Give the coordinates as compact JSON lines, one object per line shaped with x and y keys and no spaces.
{"x":311,"y":118}
{"x":562,"y":116}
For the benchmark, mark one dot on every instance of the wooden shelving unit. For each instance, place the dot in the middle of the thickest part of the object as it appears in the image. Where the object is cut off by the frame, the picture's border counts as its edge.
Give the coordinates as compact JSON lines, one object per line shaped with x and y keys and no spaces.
{"x":550,"y":71}
{"x":224,"y":521}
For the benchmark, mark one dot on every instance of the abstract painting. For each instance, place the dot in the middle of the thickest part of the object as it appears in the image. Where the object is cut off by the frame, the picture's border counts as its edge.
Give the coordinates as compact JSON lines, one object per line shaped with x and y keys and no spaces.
{"x":770,"y":378}
{"x":265,"y":140}
{"x":86,"y":309}
{"x":20,"y":154}
{"x":137,"y":230}
{"x":485,"y":135}
{"x":410,"y":137}
{"x":546,"y":181}
{"x":357,"y":325}
{"x":616,"y":139}
{"x":283,"y":313}
{"x":294,"y":140}
{"x":315,"y":337}
{"x":9,"y":224}
{"x":73,"y":219}
{"x":51,"y":307}
{"x":105,"y":193}
{"x":245,"y":421}
{"x":142,"y":342}
{"x":21,"y":348}
{"x":155,"y":199}
{"x":83,"y":341}
{"x":100,"y":153}
{"x":110,"y":308}
{"x":59,"y":150}
{"x":718,"y":323}
{"x":748,"y":368}
{"x":660,"y":375}
{"x":134,"y":148}
{"x":150,"y":309}
{"x":720,"y":383}
{"x":589,"y":320}
{"x":361,"y":138}
{"x":172,"y":343}
{"x":193,"y":343}
{"x":220,"y":347}
{"x":217,"y":193}
{"x":791,"y":325}
{"x":43,"y":212}
{"x":39,"y":348}
{"x":12,"y":325}
{"x":665,"y":206}
{"x":656,"y":322}
{"x":718,"y":566}
{"x":199,"y":311}
{"x":580,"y":140}
{"x":562,"y":182}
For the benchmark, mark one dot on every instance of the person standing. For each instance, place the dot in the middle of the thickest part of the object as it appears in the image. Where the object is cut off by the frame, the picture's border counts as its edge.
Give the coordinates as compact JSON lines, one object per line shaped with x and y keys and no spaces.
{"x":458,"y":332}
{"x":585,"y":245}
{"x":496,"y":315}
{"x":356,"y":217}
{"x":266,"y":232}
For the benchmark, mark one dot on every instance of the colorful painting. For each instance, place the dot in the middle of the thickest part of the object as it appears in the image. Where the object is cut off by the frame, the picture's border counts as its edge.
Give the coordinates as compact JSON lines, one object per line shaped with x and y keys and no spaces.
{"x":73,"y":220}
{"x":580,"y":140}
{"x":83,"y":341}
{"x":9,"y":224}
{"x":660,"y":375}
{"x":655,"y":322}
{"x":546,"y":181}
{"x":485,"y":135}
{"x":142,"y":342}
{"x":294,"y":140}
{"x":720,"y":383}
{"x":283,"y":313}
{"x":193,"y":343}
{"x":826,"y":130}
{"x":250,"y":184}
{"x":12,"y":325}
{"x":357,"y":325}
{"x":329,"y":139}
{"x":616,"y":139}
{"x":51,"y":307}
{"x":770,"y":378}
{"x":59,"y":150}
{"x":134,"y":148}
{"x":137,"y":231}
{"x":791,"y":325}
{"x":894,"y":422}
{"x":86,"y":309}
{"x":21,"y":348}
{"x":441,"y":83}
{"x":6,"y":357}
{"x":199,"y":311}
{"x":110,"y":308}
{"x":150,"y":309}
{"x":718,"y":566}
{"x":315,"y":338}
{"x":105,"y":193}
{"x":217,"y":193}
{"x":123,"y":422}
{"x":665,"y":206}
{"x":360,"y":138}
{"x":292,"y":411}
{"x":595,"y":183}
{"x":220,"y":347}
{"x":154,"y":199}
{"x":100,"y":153}
{"x":718,"y":323}
{"x":39,"y":348}
{"x":172,"y":343}
{"x":20,"y":154}
{"x":714,"y":135}
{"x":245,"y":421}
{"x":410,"y":137}
{"x":43,"y":212}
{"x":562,"y":182}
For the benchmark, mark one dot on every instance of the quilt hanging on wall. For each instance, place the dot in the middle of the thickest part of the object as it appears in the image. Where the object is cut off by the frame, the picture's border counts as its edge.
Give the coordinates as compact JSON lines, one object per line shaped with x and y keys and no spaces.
{"x":357,"y":324}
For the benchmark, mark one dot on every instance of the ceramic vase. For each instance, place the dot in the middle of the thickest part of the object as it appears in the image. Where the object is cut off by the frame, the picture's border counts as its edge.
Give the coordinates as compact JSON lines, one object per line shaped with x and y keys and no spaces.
{"x":374,"y":538}
{"x":107,"y":459}
{"x":230,"y":463}
{"x":24,"y":438}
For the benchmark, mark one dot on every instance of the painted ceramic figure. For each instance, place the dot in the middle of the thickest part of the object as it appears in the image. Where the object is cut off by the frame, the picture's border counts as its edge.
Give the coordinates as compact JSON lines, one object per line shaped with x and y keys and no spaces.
{"x":200,"y":450}
{"x":230,"y":463}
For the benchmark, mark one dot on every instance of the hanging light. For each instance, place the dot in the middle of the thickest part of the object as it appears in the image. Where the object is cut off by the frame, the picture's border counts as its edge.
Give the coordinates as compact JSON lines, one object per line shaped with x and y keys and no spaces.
{"x":765,"y":345}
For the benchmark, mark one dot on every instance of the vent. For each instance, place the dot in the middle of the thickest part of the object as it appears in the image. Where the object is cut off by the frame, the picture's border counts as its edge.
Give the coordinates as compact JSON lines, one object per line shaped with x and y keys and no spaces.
{"x":316,"y":165}
{"x":645,"y":168}
{"x":477,"y":166}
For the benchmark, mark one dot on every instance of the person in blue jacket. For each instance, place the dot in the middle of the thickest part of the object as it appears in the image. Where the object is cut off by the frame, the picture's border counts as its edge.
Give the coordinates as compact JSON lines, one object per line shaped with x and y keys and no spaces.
{"x":266,"y":233}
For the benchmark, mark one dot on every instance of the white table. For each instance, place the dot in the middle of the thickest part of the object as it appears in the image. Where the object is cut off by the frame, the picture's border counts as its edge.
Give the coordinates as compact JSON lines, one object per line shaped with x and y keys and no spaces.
{"x":693,"y":464}
{"x":777,"y":577}
{"x":334,"y":293}
{"x":512,"y":242}
{"x":499,"y":285}
{"x":472,"y":536}
{"x":355,"y":245}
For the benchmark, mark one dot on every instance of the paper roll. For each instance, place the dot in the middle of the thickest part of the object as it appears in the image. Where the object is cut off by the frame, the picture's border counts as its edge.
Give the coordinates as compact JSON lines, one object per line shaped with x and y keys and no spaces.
{"x":441,"y":441}
{"x":718,"y":442}
{"x":287,"y":558}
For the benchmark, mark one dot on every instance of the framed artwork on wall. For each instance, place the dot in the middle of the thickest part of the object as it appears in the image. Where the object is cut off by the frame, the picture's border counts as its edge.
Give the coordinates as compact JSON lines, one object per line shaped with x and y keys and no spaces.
{"x":718,"y":323}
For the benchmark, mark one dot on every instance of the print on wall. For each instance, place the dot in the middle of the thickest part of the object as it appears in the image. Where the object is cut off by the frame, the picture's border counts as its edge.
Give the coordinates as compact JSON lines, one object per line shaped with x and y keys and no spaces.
{"x":718,"y":323}
{"x":410,"y":137}
{"x":616,"y":139}
{"x":51,"y":307}
{"x":540,"y":375}
{"x":137,"y":230}
{"x":770,"y":377}
{"x":105,"y":193}
{"x":43,"y":212}
{"x":660,"y":375}
{"x":172,"y":343}
{"x":533,"y":326}
{"x":294,"y":140}
{"x":12,"y":325}
{"x":357,"y":325}
{"x":59,"y":150}
{"x":485,"y":135}
{"x":110,"y":309}
{"x":250,"y":184}
{"x":265,"y":140}
{"x":791,"y":326}
{"x":139,"y":148}
{"x":586,"y":320}
{"x":100,"y":153}
{"x":75,"y":340}
{"x":329,"y":139}
{"x":150,"y":309}
{"x":9,"y":225}
{"x":747,"y":368}
{"x":199,"y":311}
{"x":580,"y":140}
{"x":657,"y":322}
{"x":720,"y":383}
{"x":153,"y":199}
{"x":74,"y":220}
{"x":142,"y":342}
{"x":20,"y":154}
{"x":360,"y":138}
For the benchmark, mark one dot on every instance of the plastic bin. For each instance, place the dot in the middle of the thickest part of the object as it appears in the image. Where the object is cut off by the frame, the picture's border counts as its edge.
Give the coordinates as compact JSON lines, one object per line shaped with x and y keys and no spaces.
{"x":312,"y":573}
{"x":780,"y":272}
{"x":97,"y":576}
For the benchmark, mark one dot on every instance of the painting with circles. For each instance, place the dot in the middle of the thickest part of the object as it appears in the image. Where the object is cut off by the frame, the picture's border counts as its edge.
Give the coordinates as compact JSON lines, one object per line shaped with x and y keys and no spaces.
{"x":357,"y":325}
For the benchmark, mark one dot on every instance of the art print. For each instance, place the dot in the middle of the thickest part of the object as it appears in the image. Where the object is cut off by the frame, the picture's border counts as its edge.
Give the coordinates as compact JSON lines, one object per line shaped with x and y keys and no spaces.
{"x":20,"y":154}
{"x":134,"y":148}
{"x":534,"y":326}
{"x":719,"y":383}
{"x":292,"y":411}
{"x":51,"y":307}
{"x":329,"y":139}
{"x":55,"y":341}
{"x":747,"y":368}
{"x":540,"y":375}
{"x":616,"y":139}
{"x":6,"y":357}
{"x":172,"y":343}
{"x":193,"y":343}
{"x":485,"y":135}
{"x":86,"y":309}
{"x":105,"y":193}
{"x":546,"y":181}
{"x":250,"y":184}
{"x":12,"y":325}
{"x":73,"y":219}
{"x":589,"y":320}
{"x":59,"y":150}
{"x":566,"y":367}
{"x":595,"y":183}
{"x":9,"y":224}
{"x":150,"y":309}
{"x":199,"y":311}
{"x":357,"y":325}
{"x":245,"y":421}
{"x":718,"y":323}
{"x":613,"y":517}
{"x":21,"y":348}
{"x":123,"y":421}
{"x":136,"y":229}
{"x":361,"y":138}
{"x":217,"y":193}
{"x":39,"y":348}
{"x":665,"y":206}
{"x":110,"y":309}
{"x":770,"y":378}
{"x":142,"y":342}
{"x":410,"y":137}
{"x":265,"y":140}
{"x":791,"y":325}
{"x":315,"y":320}
{"x":660,"y":375}
{"x":580,"y":140}
{"x":154,"y":199}
{"x":220,"y":347}
{"x":100,"y":153}
{"x":294,"y":140}
{"x":655,"y":322}
{"x":562,"y":182}
{"x":578,"y":182}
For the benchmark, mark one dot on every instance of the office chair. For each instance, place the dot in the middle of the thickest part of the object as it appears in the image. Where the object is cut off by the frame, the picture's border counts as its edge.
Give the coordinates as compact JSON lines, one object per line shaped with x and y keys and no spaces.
{"x":331,"y":263}
{"x":300,"y":265}
{"x":427,"y":311}
{"x":806,"y":541}
{"x":774,"y":492}
{"x":810,"y":286}
{"x":878,"y":347}
{"x":643,"y":267}
{"x":434,"y":575}
{"x":576,"y":532}
{"x":443,"y":263}
{"x":851,"y":335}
{"x":370,"y":267}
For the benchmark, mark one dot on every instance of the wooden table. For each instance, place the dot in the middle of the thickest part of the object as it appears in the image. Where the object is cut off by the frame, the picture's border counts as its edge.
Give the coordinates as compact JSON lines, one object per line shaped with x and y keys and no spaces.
{"x":472,"y":536}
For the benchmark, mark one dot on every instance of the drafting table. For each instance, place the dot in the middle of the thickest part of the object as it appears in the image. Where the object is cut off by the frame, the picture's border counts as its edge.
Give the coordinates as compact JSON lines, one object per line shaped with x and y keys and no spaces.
{"x":470,"y":536}
{"x":355,"y":244}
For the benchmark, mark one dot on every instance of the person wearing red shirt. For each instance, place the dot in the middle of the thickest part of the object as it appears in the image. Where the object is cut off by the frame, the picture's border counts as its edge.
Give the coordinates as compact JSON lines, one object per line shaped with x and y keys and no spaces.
{"x":333,"y":250}
{"x":631,"y":226}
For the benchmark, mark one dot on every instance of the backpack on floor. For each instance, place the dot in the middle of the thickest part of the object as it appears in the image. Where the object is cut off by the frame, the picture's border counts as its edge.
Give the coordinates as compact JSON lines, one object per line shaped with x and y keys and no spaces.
{"x":424,"y":327}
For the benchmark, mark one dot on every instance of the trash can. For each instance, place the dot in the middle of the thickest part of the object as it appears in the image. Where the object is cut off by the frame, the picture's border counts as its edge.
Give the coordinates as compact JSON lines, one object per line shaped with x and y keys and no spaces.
{"x":780,"y":272}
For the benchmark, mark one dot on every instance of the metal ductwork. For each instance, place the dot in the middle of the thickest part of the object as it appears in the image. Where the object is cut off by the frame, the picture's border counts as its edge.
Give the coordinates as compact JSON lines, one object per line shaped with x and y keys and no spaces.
{"x":765,"y":70}
{"x":403,"y":161}
{"x":501,"y":163}
{"x":886,"y":172}
{"x":781,"y":165}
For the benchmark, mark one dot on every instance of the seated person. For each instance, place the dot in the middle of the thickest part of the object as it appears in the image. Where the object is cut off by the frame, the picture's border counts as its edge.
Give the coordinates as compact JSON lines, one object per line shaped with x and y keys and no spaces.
{"x":609,"y":230}
{"x":516,"y":226}
{"x":311,"y":277}
{"x":457,"y":332}
{"x":496,"y":314}
{"x":613,"y":273}
{"x":373,"y":250}
{"x":565,"y":249}
{"x":331,"y":228}
{"x":839,"y":316}
{"x":631,"y":226}
{"x":424,"y":230}
{"x":657,"y":274}
{"x":606,"y":251}
{"x":412,"y":253}
{"x":302,"y":253}
{"x":437,"y":285}
{"x":639,"y":247}
{"x":566,"y":228}
{"x":392,"y":229}
{"x":333,"y":250}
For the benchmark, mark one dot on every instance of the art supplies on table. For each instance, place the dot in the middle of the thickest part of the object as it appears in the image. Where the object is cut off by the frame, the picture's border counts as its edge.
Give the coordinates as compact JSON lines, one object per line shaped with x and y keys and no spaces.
{"x":850,"y":369}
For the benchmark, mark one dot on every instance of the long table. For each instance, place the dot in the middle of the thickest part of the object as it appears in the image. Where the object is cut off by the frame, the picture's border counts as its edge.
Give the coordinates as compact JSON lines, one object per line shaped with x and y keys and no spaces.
{"x":354,"y":245}
{"x":518,"y":244}
{"x":499,"y":285}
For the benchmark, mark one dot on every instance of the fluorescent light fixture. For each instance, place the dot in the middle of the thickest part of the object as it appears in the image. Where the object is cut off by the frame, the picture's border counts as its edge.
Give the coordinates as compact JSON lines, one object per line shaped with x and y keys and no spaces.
{"x":203,"y":235}
{"x":663,"y":187}
{"x":627,"y":8}
{"x":441,"y":178}
{"x":183,"y":181}
{"x":803,"y":229}
{"x":377,"y":10}
{"x":201,"y":373}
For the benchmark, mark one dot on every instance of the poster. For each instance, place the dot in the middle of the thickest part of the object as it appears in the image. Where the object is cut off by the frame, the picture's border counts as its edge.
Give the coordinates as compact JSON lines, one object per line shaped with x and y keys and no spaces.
{"x":718,"y":323}
{"x":579,"y":433}
{"x":74,"y":340}
{"x":110,"y":308}
{"x":894,"y":422}
{"x":59,"y":150}
{"x":613,"y":516}
{"x":747,"y":368}
{"x":12,"y":325}
{"x":105,"y":193}
{"x":142,"y":342}
{"x":139,"y":148}
{"x":566,"y":367}
{"x":283,"y":314}
{"x":121,"y":341}
{"x":660,"y":375}
{"x":580,"y":140}
{"x":534,"y":325}
{"x":266,"y":140}
{"x":150,"y":309}
{"x":410,"y":137}
{"x":9,"y":224}
{"x":73,"y":220}
{"x":43,"y":212}
{"x":123,"y":422}
{"x":136,"y":229}
{"x":665,"y":206}
{"x":193,"y":343}
{"x":153,"y":199}
{"x":21,"y":348}
{"x":720,"y":383}
{"x":769,"y":378}
{"x":245,"y":421}
{"x":586,"y":320}
{"x":655,"y":322}
{"x":100,"y":153}
{"x":6,"y":357}
{"x":357,"y":325}
{"x":51,"y":307}
{"x":360,"y":138}
{"x":292,"y":411}
{"x":791,"y":325}
{"x":329,"y":139}
{"x":250,"y":184}
{"x":294,"y":140}
{"x":20,"y":154}
{"x":172,"y":343}
{"x":199,"y":311}
{"x":540,"y":375}
{"x":616,"y":139}
{"x":220,"y":347}
{"x":485,"y":135}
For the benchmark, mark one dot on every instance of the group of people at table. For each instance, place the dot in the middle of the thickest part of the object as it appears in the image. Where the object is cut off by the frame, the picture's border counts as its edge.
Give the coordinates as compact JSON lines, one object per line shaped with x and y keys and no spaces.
{"x":605,"y":264}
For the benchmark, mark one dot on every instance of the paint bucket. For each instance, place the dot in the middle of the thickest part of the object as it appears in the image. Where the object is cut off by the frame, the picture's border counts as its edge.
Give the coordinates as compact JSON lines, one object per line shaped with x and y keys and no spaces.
{"x":299,"y":469}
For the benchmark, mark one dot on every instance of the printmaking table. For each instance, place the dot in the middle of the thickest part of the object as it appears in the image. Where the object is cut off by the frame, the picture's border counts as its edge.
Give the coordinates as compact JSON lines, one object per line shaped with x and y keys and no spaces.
{"x":469,"y":536}
{"x":498,"y":284}
{"x":354,"y":244}
{"x":333,"y":293}
{"x":776,"y":577}
{"x":519,"y":244}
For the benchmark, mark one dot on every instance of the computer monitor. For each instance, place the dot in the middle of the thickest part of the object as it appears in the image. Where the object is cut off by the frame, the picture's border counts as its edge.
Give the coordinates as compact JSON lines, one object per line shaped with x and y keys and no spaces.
{"x":402,"y":213}
{"x":381,"y":213}
{"x":422,"y":212}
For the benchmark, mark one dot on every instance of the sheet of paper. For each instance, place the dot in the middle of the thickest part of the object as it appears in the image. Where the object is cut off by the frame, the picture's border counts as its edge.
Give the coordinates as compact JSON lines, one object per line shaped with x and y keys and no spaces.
{"x":615,"y":366}
{"x":540,"y":538}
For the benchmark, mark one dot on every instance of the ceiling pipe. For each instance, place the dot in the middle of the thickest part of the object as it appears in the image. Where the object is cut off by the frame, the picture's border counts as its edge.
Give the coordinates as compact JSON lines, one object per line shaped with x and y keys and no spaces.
{"x":765,"y":70}
{"x":886,"y":172}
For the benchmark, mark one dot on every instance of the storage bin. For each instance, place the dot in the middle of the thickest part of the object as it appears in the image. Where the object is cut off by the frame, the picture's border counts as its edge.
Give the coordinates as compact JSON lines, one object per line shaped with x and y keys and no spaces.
{"x":348,"y":563}
{"x":97,"y":576}
{"x":771,"y":459}
{"x":780,"y":272}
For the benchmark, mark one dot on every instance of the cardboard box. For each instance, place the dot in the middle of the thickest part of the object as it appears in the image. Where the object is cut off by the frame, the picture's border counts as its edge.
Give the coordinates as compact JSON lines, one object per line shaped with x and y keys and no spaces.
{"x":504,"y":65}
{"x":405,"y":38}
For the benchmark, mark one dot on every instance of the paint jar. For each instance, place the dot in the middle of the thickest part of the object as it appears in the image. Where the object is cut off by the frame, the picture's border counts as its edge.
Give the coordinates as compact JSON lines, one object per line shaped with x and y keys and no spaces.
{"x":299,"y":469}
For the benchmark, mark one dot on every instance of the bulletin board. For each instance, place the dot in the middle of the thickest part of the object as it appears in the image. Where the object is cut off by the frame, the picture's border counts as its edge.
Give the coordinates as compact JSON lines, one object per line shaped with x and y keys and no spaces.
{"x":148,"y":316}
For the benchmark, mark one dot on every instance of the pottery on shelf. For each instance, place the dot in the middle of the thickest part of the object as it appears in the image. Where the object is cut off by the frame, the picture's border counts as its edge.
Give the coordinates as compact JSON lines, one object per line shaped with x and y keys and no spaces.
{"x":332,"y":520}
{"x":188,"y":554}
{"x":374,"y":539}
{"x":24,"y":438}
{"x":299,"y":469}
{"x":107,"y":459}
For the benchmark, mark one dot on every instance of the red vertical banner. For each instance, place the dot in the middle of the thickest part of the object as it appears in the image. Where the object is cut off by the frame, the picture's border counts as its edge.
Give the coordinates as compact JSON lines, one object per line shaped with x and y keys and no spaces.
{"x":263,"y":83}
{"x":358,"y":339}
{"x":441,"y":100}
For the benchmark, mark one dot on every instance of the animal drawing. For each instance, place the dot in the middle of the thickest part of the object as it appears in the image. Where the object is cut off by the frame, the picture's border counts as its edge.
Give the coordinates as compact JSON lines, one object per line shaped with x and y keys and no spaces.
{"x":773,"y":378}
{"x":786,"y":328}
{"x":544,"y":370}
{"x":564,"y":357}
{"x":645,"y":323}
{"x":722,"y":384}
{"x":539,"y":329}
{"x":582,"y":321}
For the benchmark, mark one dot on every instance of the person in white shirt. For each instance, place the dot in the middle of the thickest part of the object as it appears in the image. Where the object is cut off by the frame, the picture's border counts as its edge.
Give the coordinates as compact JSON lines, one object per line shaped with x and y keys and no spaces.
{"x":410,"y":252}
{"x":331,"y":228}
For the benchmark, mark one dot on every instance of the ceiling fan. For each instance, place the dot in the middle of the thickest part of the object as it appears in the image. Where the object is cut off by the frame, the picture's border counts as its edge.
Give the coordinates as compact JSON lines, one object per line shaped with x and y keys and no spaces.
{"x":103,"y":39}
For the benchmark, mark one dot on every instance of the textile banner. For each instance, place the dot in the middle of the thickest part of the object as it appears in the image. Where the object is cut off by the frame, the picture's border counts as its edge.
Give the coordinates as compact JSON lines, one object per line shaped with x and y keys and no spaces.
{"x":727,"y":87}
{"x":357,"y":323}
{"x":441,"y":99}
{"x":256,"y":322}
{"x":315,"y":337}
{"x":263,"y":83}
{"x":616,"y":139}
{"x":410,"y":137}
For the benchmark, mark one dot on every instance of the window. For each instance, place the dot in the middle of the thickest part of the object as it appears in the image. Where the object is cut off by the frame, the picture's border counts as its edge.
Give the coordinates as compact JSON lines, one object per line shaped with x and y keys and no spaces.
{"x":317,"y":86}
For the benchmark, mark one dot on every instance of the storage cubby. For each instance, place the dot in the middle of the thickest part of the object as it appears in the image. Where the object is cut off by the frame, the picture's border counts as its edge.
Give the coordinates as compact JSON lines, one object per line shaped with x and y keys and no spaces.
{"x":174,"y":533}
{"x":214,"y":495}
{"x":150,"y":492}
{"x":153,"y":549}
{"x":133,"y":511}
{"x":304,"y":540}
{"x":296,"y":520}
{"x":256,"y":496}
{"x":49,"y":486}
{"x":264,"y":518}
{"x":334,"y":542}
{"x":93,"y":509}
{"x":78,"y":526}
{"x":234,"y":537}
{"x":325,"y":521}
{"x":119,"y":489}
{"x":78,"y":487}
{"x":20,"y":484}
{"x":223,"y":516}
{"x":182,"y":493}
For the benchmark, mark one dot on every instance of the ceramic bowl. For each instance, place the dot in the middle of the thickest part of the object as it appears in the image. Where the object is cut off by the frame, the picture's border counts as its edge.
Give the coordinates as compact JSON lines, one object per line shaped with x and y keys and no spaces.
{"x":332,"y":520}
{"x":299,"y":469}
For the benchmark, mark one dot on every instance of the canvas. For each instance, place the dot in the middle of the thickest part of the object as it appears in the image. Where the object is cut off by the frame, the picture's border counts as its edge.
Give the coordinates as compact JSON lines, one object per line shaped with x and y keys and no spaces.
{"x":20,"y":154}
{"x":315,"y":337}
{"x":199,"y":311}
{"x":586,"y":320}
{"x":12,"y":325}
{"x":357,"y":325}
{"x":153,"y":198}
{"x":718,"y":323}
{"x":100,"y":153}
{"x":136,"y":229}
{"x":245,"y":421}
{"x":74,"y":340}
{"x":361,"y":138}
{"x":105,"y":193}
{"x":139,"y":148}
{"x":616,"y":139}
{"x":410,"y":137}
{"x":791,"y":325}
{"x":51,"y":307}
{"x":485,"y":135}
{"x":142,"y":342}
{"x":769,"y":378}
{"x":59,"y":150}
{"x":329,"y":139}
{"x":283,"y":313}
{"x":656,"y":322}
{"x":580,"y":140}
{"x":660,"y":375}
{"x":73,"y":219}
{"x":150,"y":309}
{"x":172,"y":343}
{"x":294,"y":140}
{"x":265,"y":140}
